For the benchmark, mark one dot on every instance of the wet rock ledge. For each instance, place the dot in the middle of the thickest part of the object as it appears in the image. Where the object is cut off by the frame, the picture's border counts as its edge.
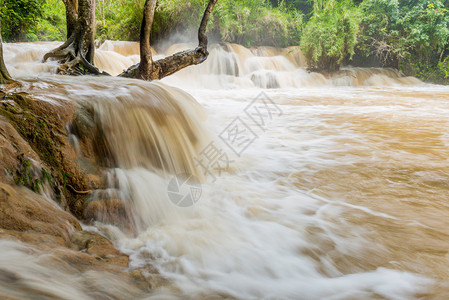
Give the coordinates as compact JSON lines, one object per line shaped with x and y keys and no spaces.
{"x":43,"y":192}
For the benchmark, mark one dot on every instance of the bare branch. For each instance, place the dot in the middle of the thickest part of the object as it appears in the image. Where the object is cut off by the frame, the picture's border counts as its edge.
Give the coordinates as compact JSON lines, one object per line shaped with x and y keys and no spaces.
{"x":202,"y":38}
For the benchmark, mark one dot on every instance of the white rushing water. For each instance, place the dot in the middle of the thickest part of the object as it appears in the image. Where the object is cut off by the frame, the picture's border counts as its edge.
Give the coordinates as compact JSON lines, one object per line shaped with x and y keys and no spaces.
{"x":312,"y":185}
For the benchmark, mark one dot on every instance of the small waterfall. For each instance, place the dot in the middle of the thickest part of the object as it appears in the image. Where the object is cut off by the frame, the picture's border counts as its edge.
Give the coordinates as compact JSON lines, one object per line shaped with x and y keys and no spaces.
{"x":25,"y":59}
{"x":145,"y":135}
{"x":114,"y":62}
{"x":122,"y":47}
{"x":137,"y":135}
{"x":371,"y":77}
{"x":116,"y":56}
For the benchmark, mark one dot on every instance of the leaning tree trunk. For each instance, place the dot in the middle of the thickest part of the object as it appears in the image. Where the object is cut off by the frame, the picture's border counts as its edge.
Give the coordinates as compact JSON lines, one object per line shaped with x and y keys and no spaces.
{"x":4,"y":74}
{"x":77,"y":53}
{"x":148,"y":69}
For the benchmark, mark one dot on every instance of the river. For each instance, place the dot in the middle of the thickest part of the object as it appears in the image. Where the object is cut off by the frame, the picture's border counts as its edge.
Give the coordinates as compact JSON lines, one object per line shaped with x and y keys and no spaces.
{"x":308,"y":187}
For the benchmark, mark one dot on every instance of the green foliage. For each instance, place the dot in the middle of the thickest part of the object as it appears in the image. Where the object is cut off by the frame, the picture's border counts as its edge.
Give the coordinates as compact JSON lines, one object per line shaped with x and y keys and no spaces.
{"x":330,"y":35}
{"x":304,"y":6}
{"x":248,"y":22}
{"x":32,"y":20}
{"x":29,"y":176}
{"x":427,"y":30}
{"x":255,"y":22}
{"x":18,"y":16}
{"x":408,"y":34}
{"x":52,"y":25}
{"x":119,"y":20}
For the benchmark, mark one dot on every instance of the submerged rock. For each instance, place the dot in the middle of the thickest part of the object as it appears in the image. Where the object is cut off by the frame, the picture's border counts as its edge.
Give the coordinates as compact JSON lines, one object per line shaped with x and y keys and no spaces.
{"x":24,"y":211}
{"x":99,"y":247}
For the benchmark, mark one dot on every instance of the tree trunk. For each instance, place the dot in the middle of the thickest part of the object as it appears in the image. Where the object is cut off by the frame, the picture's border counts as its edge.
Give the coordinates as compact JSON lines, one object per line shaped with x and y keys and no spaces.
{"x":4,"y":74}
{"x":77,"y":53}
{"x":148,"y":69}
{"x":86,"y":24}
{"x":146,"y":58}
{"x":71,"y":12}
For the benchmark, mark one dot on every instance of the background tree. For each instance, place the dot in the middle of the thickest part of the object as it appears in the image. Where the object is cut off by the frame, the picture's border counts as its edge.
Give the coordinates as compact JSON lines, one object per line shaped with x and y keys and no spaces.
{"x":331,"y":34}
{"x":411,"y":35}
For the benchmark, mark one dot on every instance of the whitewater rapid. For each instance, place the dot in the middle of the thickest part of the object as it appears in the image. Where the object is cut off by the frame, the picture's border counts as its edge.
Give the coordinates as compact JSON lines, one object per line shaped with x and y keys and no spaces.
{"x":341,"y":194}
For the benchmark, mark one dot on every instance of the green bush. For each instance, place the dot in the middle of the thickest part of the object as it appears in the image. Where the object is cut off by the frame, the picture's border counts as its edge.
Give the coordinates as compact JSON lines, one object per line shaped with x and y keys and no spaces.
{"x":410,"y":35}
{"x":331,"y":34}
{"x":52,"y":26}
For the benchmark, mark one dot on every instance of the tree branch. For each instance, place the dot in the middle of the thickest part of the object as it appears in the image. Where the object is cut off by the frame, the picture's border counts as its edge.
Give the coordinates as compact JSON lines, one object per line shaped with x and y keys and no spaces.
{"x":202,"y":38}
{"x":147,"y":69}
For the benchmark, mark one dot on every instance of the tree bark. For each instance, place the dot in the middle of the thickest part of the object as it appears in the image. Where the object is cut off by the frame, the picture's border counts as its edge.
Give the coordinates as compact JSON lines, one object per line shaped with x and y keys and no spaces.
{"x":86,"y":27}
{"x":77,"y":53}
{"x":71,"y":12}
{"x":4,"y":74}
{"x":148,"y":69}
{"x":146,"y":58}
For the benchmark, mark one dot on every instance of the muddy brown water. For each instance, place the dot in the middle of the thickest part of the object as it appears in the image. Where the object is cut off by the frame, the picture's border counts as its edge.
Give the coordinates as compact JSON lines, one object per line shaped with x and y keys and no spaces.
{"x":341,"y":194}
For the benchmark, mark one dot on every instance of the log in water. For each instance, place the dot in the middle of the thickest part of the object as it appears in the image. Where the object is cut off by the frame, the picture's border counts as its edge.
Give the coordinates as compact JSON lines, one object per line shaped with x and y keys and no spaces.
{"x":306,"y":186}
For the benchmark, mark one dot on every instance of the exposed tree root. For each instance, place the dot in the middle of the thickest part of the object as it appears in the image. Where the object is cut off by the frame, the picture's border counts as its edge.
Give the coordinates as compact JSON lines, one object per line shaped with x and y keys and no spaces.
{"x":73,"y":61}
{"x":76,"y":55}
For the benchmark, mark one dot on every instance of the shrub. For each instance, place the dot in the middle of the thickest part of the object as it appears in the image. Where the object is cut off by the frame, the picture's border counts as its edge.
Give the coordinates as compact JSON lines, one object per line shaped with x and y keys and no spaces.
{"x":330,"y":35}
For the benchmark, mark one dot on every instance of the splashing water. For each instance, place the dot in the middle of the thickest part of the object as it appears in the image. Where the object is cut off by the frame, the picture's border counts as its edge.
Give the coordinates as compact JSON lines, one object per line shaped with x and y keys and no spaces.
{"x":341,"y":196}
